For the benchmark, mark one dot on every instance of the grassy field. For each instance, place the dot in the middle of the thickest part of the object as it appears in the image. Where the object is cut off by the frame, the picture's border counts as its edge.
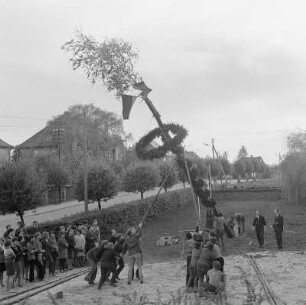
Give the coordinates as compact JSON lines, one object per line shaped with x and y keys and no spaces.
{"x":184,"y":219}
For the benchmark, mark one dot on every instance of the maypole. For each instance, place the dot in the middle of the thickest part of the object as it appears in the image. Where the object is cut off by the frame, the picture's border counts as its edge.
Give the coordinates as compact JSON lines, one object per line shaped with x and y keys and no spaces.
{"x":112,"y":62}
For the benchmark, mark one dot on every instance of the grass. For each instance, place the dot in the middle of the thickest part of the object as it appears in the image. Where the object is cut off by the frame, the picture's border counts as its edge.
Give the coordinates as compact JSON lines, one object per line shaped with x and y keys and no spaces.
{"x":184,"y":219}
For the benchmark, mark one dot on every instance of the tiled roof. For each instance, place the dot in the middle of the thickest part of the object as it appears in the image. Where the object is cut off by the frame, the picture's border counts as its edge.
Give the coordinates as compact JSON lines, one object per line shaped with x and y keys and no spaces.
{"x":4,"y":144}
{"x":42,"y":139}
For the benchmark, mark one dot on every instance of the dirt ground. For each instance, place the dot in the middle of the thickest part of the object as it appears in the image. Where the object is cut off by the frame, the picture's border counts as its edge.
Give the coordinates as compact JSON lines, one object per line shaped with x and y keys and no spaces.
{"x":165,"y":266}
{"x":284,"y":272}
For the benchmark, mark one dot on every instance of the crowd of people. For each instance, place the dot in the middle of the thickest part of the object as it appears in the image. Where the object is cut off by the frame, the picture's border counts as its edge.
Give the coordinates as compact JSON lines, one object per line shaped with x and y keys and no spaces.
{"x":205,"y":263}
{"x":31,"y":254}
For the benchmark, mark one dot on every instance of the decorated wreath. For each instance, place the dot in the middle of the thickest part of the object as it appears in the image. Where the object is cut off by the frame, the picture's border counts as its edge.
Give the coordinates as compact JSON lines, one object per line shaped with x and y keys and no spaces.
{"x":143,"y":150}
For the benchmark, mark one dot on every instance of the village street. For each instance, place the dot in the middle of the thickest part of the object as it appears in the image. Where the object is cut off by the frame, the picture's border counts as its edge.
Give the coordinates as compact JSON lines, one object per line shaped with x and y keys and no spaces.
{"x":56,"y":211}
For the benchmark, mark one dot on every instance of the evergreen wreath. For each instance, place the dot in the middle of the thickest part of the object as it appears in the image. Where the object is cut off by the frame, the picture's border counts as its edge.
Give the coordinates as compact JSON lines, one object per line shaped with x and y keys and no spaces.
{"x":172,"y":144}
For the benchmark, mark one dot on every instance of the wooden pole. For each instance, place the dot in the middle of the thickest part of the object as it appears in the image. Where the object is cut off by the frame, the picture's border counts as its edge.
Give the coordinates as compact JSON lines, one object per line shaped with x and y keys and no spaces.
{"x":194,"y":195}
{"x":85,"y":147}
{"x":167,"y":137}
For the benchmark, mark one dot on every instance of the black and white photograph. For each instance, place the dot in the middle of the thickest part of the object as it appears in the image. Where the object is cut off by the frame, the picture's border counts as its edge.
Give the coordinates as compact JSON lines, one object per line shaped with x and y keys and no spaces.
{"x":152,"y":152}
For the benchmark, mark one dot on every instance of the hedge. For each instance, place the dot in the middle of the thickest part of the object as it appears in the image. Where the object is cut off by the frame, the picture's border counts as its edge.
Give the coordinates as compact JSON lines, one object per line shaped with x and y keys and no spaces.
{"x":124,"y":215}
{"x":266,"y":194}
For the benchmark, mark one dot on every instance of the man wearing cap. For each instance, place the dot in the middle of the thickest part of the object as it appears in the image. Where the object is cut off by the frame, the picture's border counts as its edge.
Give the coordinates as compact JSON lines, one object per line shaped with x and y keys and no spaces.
{"x":278,"y":226}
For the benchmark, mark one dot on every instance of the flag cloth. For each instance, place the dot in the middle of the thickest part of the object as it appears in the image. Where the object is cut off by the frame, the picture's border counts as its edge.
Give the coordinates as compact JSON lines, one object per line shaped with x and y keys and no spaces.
{"x":127,"y":104}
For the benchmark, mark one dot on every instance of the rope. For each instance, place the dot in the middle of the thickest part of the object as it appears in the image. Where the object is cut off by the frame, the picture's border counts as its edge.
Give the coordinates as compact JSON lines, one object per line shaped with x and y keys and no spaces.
{"x":156,"y":196}
{"x":209,"y":180}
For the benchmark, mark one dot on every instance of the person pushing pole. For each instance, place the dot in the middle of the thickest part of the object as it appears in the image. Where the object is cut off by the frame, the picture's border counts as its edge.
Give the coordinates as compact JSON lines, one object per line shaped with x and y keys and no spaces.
{"x":133,"y":246}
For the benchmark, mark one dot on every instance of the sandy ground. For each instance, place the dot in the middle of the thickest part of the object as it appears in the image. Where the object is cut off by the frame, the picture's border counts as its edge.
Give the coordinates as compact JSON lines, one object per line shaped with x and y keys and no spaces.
{"x":284,"y":272}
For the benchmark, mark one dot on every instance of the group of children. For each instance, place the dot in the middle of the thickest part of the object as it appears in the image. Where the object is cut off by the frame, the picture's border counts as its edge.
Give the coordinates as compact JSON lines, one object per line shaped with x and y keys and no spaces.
{"x":28,"y":254}
{"x":205,"y":264}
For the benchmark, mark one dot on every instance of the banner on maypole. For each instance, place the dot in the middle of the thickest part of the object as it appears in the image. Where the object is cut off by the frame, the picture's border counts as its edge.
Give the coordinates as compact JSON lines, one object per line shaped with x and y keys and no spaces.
{"x":127,"y":104}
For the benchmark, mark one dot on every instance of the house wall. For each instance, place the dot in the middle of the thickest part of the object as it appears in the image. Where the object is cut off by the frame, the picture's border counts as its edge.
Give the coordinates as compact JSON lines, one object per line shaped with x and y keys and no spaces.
{"x":31,"y":152}
{"x":4,"y":155}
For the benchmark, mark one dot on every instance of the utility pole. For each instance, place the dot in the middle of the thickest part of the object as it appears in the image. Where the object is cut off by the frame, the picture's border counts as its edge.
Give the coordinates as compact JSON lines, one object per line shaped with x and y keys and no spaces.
{"x":85,"y":148}
{"x":213,"y":147}
{"x":59,"y":133}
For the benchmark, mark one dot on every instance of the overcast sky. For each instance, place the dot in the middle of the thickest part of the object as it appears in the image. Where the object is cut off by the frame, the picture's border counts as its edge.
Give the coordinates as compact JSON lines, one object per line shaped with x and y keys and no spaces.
{"x":229,"y":70}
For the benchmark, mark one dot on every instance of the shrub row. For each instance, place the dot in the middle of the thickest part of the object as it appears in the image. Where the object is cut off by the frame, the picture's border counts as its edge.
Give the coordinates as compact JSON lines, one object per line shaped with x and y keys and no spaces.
{"x":124,"y":215}
{"x":248,"y":194}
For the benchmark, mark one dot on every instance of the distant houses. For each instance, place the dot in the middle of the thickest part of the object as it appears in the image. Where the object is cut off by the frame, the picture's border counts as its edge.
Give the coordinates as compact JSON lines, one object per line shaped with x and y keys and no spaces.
{"x":54,"y":141}
{"x":5,"y":151}
{"x":41,"y":143}
{"x":65,"y":144}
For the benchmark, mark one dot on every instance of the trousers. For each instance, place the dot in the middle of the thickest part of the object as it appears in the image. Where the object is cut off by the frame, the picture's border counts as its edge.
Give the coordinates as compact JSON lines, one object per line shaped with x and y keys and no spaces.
{"x":135,"y":259}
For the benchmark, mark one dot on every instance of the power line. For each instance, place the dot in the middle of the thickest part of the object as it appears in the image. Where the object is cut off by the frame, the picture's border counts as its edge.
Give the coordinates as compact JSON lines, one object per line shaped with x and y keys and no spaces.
{"x":21,"y":117}
{"x":18,"y":126}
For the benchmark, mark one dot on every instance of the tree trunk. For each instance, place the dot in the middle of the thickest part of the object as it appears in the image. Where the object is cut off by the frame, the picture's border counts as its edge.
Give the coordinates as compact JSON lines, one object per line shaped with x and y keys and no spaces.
{"x":99,"y":204}
{"x":20,"y":214}
{"x":141,"y":194}
{"x":59,"y":194}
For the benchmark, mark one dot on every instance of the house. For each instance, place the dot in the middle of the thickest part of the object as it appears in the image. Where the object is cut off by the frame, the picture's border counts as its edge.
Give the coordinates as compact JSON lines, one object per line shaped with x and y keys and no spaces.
{"x":43,"y":142}
{"x":114,"y":152}
{"x":5,"y":151}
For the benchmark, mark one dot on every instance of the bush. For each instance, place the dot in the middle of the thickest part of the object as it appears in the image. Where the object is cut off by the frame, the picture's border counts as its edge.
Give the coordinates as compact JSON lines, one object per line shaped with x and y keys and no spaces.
{"x":164,"y":172}
{"x":124,"y":215}
{"x":293,"y":170}
{"x":141,"y":177}
{"x":102,"y":183}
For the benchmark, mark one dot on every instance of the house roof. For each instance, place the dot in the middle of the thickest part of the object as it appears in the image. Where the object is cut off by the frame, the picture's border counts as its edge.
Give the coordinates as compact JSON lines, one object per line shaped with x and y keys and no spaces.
{"x":42,"y":139}
{"x":5,"y":145}
{"x":191,"y":155}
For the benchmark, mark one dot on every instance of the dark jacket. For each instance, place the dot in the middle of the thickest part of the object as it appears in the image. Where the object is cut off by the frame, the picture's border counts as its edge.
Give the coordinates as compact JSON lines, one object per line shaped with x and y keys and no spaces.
{"x":96,"y":253}
{"x":17,"y":251}
{"x":118,"y":247}
{"x":109,"y":257}
{"x":31,"y":250}
{"x":278,"y":223}
{"x":91,"y":239}
{"x":259,"y":222}
{"x":71,"y":242}
{"x":62,"y":248}
{"x":1,"y":255}
{"x":207,"y":257}
{"x":45,"y":245}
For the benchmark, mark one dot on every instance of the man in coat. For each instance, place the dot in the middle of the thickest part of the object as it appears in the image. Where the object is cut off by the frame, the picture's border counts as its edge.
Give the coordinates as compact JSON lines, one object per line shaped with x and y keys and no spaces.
{"x":278,"y":227}
{"x":259,"y":225}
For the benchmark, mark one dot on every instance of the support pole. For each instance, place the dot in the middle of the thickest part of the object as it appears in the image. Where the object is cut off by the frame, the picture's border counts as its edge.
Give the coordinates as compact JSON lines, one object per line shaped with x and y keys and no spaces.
{"x":167,"y":137}
{"x":194,"y":199}
{"x":85,"y":147}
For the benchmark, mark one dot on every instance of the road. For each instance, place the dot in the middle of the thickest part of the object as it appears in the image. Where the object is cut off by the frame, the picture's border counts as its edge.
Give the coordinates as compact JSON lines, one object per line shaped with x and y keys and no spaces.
{"x":56,"y":211}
